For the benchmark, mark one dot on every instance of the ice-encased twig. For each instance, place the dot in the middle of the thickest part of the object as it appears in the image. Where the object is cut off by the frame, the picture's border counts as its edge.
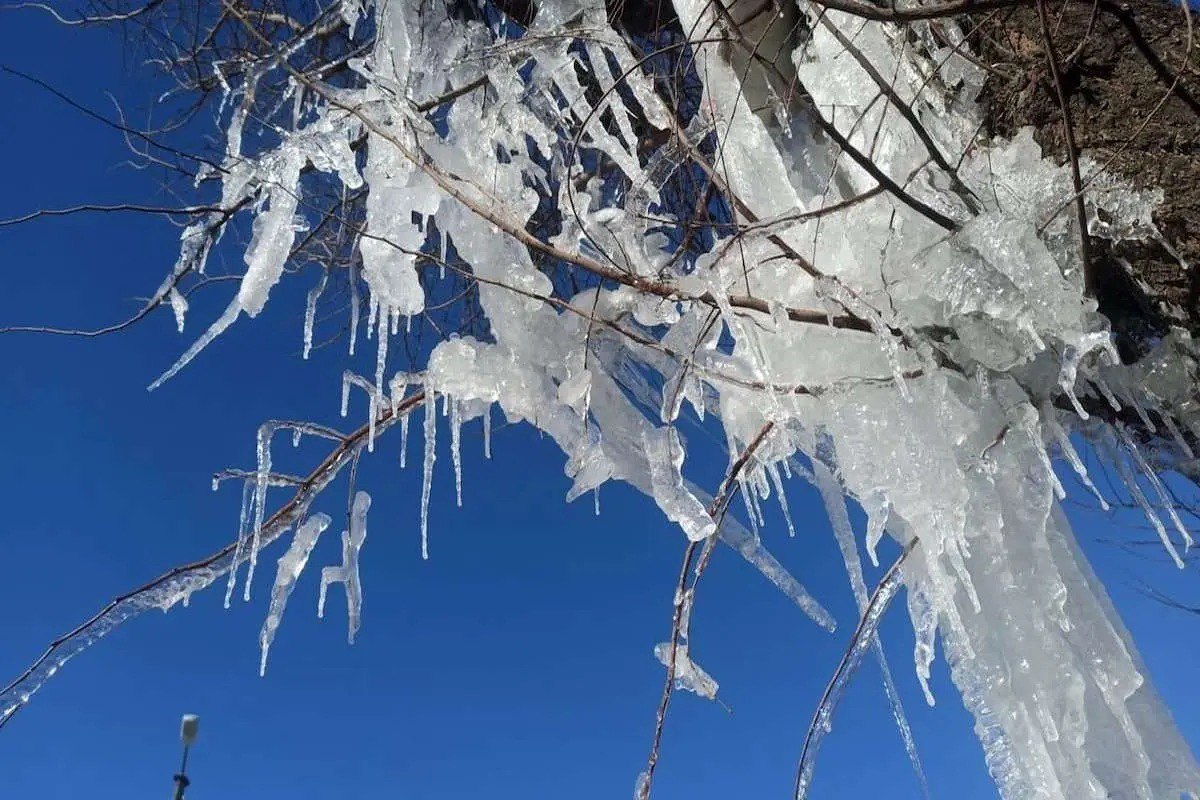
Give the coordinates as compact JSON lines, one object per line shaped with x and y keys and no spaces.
{"x":174,"y":586}
{"x":347,"y":573}
{"x":860,"y":641}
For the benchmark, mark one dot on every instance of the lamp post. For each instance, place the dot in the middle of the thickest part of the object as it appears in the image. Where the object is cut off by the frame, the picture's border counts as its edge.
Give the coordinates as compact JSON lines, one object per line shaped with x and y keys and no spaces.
{"x":189,"y":726}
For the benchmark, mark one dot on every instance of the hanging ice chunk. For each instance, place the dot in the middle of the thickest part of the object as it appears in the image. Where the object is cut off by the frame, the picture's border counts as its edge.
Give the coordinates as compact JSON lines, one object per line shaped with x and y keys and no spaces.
{"x":291,"y":564}
{"x":274,"y":231}
{"x":388,"y":249}
{"x":347,"y":573}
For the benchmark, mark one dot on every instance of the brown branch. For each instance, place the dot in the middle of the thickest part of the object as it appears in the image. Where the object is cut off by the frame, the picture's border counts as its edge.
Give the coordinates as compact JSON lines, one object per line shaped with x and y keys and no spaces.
{"x":1085,"y":248}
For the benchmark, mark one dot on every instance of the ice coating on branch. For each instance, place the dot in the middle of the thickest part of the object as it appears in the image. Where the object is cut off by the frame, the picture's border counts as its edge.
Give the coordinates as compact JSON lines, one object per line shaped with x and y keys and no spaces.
{"x":291,"y":564}
{"x":273,"y":233}
{"x":864,"y":638}
{"x":689,"y":675}
{"x":347,"y":573}
{"x":243,"y":534}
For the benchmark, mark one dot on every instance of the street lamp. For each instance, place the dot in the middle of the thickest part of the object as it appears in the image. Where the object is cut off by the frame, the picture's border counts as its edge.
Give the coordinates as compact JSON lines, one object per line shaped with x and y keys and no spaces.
{"x":189,"y":726}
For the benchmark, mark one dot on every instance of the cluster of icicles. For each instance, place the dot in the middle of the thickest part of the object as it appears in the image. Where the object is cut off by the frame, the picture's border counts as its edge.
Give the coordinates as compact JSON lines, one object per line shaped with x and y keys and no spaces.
{"x":945,"y":439}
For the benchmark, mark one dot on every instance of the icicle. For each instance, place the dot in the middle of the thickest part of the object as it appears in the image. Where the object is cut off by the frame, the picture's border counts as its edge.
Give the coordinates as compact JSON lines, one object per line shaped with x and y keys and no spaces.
{"x":291,"y":564}
{"x":347,"y":573}
{"x":756,"y":512}
{"x":1164,"y":496}
{"x":673,"y":392}
{"x":372,"y":415}
{"x":403,"y":440}
{"x":1170,"y":425}
{"x":265,"y":432}
{"x":296,"y":431}
{"x":835,"y":506}
{"x":1029,"y":423}
{"x":243,"y":533}
{"x":1113,"y":403}
{"x":1131,"y":396}
{"x":455,"y":452}
{"x":773,"y":471}
{"x":215,"y":330}
{"x":1177,"y":436}
{"x":1140,"y":498}
{"x":354,"y":310}
{"x":1070,"y":393}
{"x":923,"y":614}
{"x":877,"y":508}
{"x":487,"y":433}
{"x":310,"y":311}
{"x":346,"y":377}
{"x":430,"y":457}
{"x":396,"y":388}
{"x":596,"y":499}
{"x":1068,"y":370}
{"x":381,"y":353}
{"x":1071,"y":454}
{"x":750,"y":547}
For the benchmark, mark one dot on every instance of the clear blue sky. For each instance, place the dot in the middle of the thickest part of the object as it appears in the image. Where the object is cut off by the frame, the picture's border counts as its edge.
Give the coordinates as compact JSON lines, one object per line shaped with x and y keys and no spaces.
{"x":516,"y":663}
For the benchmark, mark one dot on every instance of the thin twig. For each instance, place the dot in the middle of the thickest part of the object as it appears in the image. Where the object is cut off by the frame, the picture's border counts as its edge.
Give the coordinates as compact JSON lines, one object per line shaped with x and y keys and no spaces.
{"x":716,"y":511}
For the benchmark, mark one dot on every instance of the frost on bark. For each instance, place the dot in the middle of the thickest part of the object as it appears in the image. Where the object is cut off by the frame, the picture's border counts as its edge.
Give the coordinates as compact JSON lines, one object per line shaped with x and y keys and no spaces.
{"x":797,"y":224}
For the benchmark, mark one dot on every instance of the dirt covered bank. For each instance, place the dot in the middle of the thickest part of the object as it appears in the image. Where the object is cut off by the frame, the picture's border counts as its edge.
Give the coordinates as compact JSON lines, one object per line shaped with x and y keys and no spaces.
{"x":1131,"y":76}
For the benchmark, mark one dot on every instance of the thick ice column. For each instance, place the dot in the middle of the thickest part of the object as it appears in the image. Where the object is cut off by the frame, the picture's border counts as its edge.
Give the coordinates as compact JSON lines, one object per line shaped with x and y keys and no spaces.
{"x":1062,"y":703}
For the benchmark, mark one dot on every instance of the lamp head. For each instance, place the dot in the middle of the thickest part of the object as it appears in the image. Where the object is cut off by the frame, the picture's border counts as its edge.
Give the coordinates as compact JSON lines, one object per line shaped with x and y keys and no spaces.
{"x":189,"y":726}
